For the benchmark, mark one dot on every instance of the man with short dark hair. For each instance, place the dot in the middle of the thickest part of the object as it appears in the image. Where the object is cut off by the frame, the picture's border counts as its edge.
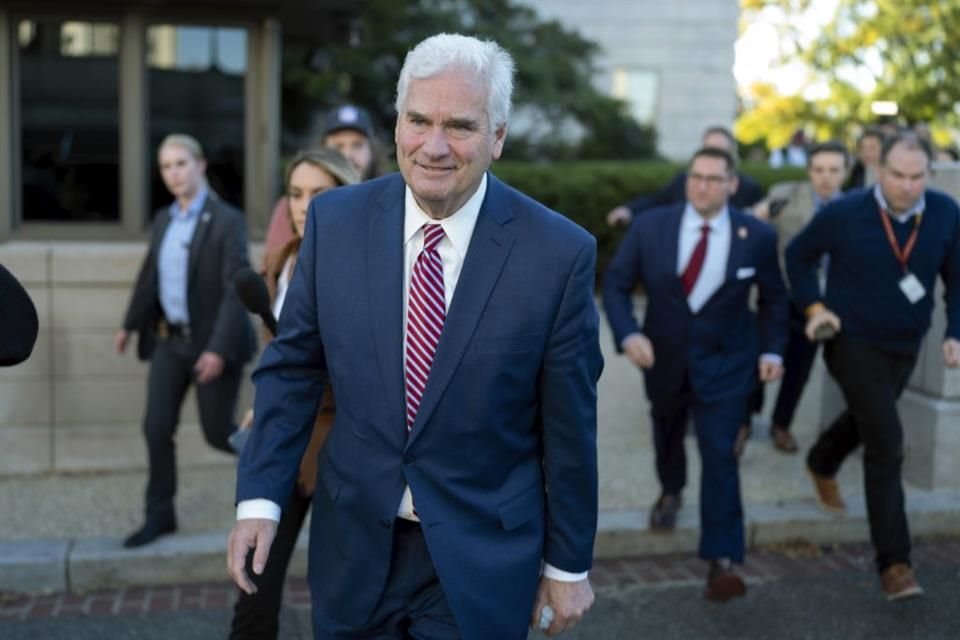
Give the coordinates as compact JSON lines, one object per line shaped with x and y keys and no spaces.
{"x":746,"y":194}
{"x":701,"y":346}
{"x":886,"y":246}
{"x":789,"y":208}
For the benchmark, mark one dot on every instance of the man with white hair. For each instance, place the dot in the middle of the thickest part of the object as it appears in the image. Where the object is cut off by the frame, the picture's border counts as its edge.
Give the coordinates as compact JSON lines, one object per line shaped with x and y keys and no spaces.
{"x":454,"y":318}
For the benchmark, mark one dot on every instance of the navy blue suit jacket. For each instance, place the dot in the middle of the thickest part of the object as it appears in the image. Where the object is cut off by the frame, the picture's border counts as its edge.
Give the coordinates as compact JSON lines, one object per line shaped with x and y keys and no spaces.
{"x":716,"y":348}
{"x":509,"y":409}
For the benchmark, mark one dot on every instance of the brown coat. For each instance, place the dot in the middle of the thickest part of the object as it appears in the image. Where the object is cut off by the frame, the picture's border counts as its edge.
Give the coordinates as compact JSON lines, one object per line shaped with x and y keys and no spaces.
{"x":307,"y":479}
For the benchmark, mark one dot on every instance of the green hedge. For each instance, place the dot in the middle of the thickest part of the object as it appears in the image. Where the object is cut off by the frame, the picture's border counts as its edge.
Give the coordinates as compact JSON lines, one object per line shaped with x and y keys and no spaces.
{"x":586,"y":191}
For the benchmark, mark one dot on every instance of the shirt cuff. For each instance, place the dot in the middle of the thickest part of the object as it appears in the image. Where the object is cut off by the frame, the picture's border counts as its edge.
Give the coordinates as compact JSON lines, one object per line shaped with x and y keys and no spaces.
{"x":258,"y":508}
{"x":550,"y":571}
{"x":775,"y":358}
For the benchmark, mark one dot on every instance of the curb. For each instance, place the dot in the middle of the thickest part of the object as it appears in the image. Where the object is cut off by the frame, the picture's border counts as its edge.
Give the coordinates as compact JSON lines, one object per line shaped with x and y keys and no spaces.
{"x":90,"y":564}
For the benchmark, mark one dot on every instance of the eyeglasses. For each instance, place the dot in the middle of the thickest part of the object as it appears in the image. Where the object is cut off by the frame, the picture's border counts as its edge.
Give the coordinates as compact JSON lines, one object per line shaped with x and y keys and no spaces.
{"x":713,"y":181}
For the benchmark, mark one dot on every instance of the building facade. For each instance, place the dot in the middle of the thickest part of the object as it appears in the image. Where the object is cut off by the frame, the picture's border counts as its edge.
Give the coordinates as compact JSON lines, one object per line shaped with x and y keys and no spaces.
{"x":670,"y":60}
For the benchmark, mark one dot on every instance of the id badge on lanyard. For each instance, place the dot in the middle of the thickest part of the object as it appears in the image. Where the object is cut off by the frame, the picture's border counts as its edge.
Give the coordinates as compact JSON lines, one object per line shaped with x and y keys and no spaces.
{"x":909,"y":284}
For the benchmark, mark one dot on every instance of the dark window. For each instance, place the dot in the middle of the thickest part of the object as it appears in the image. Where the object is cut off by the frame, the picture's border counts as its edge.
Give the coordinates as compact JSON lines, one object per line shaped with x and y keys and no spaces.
{"x":196,"y":80}
{"x":70,"y":131}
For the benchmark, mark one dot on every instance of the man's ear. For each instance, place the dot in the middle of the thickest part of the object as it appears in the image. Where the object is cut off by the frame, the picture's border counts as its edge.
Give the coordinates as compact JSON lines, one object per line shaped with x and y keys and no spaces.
{"x":500,"y":136}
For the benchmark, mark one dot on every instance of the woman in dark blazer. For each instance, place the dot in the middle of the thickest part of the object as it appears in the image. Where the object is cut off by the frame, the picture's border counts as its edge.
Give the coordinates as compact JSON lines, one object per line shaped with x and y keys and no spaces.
{"x":190,"y":323}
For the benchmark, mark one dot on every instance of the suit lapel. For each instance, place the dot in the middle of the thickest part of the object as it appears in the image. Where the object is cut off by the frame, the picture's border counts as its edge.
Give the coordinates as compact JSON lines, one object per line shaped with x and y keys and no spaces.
{"x":385,"y":283}
{"x":488,"y":250}
{"x":738,"y":241}
{"x":671,"y":242}
{"x":199,"y":237}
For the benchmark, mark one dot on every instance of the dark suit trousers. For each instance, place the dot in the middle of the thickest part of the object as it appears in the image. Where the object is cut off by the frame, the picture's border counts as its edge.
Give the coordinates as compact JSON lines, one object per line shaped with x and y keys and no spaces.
{"x":171,"y":373}
{"x":257,"y":617}
{"x":871,"y":380}
{"x":716,"y":423}
{"x":412,"y":606}
{"x":797,"y":364}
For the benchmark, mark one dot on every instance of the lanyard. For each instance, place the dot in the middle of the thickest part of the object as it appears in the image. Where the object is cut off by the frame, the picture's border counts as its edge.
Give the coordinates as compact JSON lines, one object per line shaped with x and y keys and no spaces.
{"x":902,"y":255}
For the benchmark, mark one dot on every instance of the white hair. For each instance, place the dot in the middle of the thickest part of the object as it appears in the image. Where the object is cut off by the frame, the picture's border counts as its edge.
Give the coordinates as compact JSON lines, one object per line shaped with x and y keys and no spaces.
{"x":487,"y":60}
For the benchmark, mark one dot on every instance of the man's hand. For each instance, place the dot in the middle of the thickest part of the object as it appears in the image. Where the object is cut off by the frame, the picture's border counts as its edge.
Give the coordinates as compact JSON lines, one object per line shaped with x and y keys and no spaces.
{"x":619,"y":216}
{"x":770,"y":370}
{"x":639,"y":350}
{"x":120,"y":339}
{"x":822,"y":317}
{"x":570,"y":601}
{"x":251,"y":533}
{"x":951,"y":352}
{"x":208,"y":367}
{"x":761,"y":210}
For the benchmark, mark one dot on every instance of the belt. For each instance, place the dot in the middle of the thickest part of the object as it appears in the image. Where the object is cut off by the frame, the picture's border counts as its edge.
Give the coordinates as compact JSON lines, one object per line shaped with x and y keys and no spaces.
{"x":169,"y":330}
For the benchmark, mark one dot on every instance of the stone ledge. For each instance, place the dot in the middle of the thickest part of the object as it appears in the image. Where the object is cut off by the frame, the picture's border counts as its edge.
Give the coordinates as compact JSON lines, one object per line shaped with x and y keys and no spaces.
{"x":34,"y":566}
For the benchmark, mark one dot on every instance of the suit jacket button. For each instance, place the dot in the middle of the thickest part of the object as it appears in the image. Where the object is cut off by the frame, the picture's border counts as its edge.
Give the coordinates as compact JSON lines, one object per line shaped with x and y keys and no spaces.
{"x":386,"y":523}
{"x":409,"y":459}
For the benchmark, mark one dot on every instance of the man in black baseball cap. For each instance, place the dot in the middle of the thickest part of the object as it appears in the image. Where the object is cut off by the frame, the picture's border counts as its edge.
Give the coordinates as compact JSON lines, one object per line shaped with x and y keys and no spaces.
{"x":348,"y":129}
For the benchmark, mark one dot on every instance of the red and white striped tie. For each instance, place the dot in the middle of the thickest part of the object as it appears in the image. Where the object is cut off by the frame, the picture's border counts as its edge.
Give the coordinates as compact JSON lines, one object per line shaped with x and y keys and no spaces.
{"x":426,"y":311}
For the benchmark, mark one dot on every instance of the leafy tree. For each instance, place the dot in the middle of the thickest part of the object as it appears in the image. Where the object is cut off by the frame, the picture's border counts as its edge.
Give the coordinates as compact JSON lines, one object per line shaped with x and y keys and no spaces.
{"x":553,"y":85}
{"x":900,"y":47}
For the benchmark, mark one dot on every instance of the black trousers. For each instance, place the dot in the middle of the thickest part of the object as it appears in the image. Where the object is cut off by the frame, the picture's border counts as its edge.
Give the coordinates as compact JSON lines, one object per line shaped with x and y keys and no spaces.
{"x":797,"y":364}
{"x":257,"y":617}
{"x":171,"y":373}
{"x":872,"y":380}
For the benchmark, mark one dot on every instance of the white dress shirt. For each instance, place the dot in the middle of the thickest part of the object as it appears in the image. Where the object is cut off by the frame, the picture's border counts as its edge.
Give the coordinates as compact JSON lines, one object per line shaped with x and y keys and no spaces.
{"x":458,"y":230}
{"x":714,"y":270}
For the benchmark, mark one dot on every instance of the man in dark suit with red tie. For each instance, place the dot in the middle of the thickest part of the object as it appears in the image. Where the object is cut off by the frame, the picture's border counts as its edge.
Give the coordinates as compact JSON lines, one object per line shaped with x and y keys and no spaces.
{"x":700,"y":344}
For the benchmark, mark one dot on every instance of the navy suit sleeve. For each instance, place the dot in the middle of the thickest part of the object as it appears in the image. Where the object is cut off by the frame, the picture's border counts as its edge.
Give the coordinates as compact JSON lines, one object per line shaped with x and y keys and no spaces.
{"x":802,"y":256}
{"x":568,"y":391}
{"x":773,"y":303}
{"x":623,"y":274}
{"x":289,"y":382}
{"x":950,"y":272}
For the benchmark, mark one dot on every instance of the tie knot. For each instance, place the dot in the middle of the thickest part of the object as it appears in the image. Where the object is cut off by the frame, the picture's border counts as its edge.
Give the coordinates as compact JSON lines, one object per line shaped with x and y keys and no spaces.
{"x":705,"y":229}
{"x":432,"y":235}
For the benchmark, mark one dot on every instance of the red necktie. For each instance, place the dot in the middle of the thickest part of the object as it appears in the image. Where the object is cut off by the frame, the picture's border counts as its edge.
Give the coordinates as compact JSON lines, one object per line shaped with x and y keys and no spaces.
{"x":692,"y":272}
{"x":426,"y":311}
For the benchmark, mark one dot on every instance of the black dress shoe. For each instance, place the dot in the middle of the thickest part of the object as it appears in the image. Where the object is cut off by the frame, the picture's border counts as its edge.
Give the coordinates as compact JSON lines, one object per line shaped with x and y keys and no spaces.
{"x":723,"y":583}
{"x":149,"y":532}
{"x":663,"y":515}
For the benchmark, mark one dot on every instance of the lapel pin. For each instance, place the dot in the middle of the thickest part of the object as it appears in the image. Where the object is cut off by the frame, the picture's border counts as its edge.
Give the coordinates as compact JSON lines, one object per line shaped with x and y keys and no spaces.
{"x":742,"y":233}
{"x":206,"y":217}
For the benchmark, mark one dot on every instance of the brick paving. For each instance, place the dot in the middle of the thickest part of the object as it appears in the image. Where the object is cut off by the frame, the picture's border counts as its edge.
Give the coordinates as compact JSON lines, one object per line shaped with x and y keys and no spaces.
{"x":663,"y":571}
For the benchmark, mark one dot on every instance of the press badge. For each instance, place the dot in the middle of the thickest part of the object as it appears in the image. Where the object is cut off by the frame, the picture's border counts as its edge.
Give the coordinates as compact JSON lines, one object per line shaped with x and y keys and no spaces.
{"x":912,"y":288}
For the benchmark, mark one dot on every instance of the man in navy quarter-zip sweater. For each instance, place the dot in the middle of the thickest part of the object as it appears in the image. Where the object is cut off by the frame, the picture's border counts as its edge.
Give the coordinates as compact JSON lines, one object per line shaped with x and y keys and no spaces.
{"x":886,"y":245}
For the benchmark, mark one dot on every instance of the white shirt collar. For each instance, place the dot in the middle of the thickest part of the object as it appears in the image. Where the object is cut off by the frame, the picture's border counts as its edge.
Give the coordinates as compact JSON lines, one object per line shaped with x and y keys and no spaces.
{"x":917,"y":207}
{"x":458,"y":227}
{"x":692,"y":221}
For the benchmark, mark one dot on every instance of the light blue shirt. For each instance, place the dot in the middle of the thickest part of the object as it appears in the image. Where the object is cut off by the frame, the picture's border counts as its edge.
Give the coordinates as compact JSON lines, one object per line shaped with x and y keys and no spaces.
{"x":175,"y":256}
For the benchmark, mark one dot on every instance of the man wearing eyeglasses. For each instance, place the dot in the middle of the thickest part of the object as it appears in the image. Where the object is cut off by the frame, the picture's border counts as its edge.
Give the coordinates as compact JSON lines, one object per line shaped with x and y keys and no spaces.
{"x":700,"y":345}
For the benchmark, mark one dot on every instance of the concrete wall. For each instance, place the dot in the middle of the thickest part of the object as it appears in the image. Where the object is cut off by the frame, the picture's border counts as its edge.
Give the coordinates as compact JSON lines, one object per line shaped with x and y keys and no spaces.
{"x":75,"y":405}
{"x":689,"y":44}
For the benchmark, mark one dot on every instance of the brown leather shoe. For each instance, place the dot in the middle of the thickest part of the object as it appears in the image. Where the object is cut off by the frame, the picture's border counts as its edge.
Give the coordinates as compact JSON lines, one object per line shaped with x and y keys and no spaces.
{"x":723,"y":583}
{"x":898,"y":582}
{"x":663,"y":515}
{"x":782,"y":440}
{"x":826,"y":492}
{"x":740,"y":444}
